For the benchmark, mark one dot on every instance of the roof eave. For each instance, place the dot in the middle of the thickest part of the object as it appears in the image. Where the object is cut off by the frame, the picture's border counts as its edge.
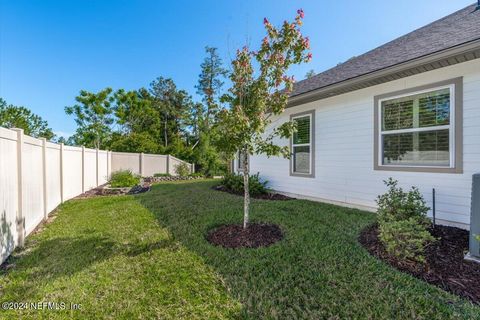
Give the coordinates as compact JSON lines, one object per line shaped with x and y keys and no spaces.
{"x":454,"y":55}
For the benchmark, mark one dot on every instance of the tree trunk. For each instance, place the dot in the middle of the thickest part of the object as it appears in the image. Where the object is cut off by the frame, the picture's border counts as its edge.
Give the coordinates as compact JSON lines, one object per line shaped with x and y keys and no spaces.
{"x":165,"y":137}
{"x":246,"y":200}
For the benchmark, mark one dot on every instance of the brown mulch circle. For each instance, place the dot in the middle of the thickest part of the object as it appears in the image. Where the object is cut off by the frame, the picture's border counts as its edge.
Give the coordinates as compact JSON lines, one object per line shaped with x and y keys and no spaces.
{"x":265,"y":196}
{"x":445,"y":265}
{"x":256,"y":235}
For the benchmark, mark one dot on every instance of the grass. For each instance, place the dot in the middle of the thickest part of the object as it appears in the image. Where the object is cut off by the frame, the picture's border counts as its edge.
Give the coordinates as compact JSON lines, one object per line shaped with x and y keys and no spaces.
{"x":146,"y":257}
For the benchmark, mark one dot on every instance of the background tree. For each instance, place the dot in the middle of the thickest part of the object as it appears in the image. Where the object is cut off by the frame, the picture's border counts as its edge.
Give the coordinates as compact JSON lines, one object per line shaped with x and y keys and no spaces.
{"x":138,"y":121}
{"x":20,"y":117}
{"x":173,"y":106}
{"x":209,"y":86}
{"x":94,"y":118}
{"x":256,"y":96}
{"x":310,"y":74}
{"x":210,"y":83}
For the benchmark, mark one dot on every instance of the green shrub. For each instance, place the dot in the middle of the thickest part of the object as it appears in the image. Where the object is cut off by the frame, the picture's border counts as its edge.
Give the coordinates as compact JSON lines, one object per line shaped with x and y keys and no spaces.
{"x":405,"y":239}
{"x":161,"y":174}
{"x":234,"y":183}
{"x":403,"y":222}
{"x":196,"y":174}
{"x":123,"y":179}
{"x":397,"y":204}
{"x":182,"y":169}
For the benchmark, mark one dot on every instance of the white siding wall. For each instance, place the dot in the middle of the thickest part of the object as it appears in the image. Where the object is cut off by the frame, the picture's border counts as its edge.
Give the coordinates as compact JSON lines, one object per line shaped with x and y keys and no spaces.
{"x":344,"y":142}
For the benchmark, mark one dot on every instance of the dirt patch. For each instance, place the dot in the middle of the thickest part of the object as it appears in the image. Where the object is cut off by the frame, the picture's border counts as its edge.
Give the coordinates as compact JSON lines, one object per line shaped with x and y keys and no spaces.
{"x":265,"y":196}
{"x":445,"y":265}
{"x":256,"y":235}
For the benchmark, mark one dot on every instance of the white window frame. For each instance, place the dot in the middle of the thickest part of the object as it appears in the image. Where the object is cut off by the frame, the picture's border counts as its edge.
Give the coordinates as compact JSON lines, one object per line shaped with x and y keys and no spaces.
{"x":450,"y":127}
{"x":310,"y":145}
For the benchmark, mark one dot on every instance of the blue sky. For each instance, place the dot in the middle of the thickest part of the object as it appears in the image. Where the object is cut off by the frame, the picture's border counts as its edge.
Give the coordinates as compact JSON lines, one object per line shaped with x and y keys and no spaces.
{"x":50,"y":50}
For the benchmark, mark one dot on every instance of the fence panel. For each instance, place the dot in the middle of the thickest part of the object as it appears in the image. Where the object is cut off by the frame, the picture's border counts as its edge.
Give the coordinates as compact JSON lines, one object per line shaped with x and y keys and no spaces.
{"x":8,"y":192}
{"x":154,"y":163}
{"x":126,"y":161}
{"x":174,"y":162}
{"x":103,"y":167}
{"x":53,"y":184}
{"x":32,"y":183}
{"x":72,"y":172}
{"x":90,"y":169}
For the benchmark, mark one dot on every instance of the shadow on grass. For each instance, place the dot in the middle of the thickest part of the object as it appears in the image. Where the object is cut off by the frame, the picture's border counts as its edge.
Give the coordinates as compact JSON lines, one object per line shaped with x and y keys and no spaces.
{"x":42,"y":262}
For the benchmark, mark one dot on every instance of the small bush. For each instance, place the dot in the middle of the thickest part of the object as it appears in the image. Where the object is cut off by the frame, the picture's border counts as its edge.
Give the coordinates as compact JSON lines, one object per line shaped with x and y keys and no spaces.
{"x":124,"y":179}
{"x":405,"y":239}
{"x":196,"y":174}
{"x":234,"y":183}
{"x":403,"y":222}
{"x":397,"y":204}
{"x":182,"y":169}
{"x":161,"y":174}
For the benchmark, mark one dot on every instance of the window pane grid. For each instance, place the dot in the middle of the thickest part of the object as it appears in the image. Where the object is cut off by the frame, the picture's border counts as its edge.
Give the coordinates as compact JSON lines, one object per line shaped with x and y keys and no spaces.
{"x":415,"y":130}
{"x":301,"y":145}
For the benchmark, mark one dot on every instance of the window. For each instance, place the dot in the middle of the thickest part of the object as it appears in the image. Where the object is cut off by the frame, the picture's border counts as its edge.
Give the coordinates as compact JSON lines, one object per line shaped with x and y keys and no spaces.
{"x":302,"y":145}
{"x":417,"y":129}
{"x":240,"y":159}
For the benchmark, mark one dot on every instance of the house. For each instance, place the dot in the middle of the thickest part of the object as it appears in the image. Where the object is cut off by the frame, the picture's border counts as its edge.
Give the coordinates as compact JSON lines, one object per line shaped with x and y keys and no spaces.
{"x":409,"y":109}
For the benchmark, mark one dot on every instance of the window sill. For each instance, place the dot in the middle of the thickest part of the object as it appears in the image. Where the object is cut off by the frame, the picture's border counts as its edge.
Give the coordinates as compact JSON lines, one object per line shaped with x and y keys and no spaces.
{"x":302,"y":175}
{"x":419,"y":169}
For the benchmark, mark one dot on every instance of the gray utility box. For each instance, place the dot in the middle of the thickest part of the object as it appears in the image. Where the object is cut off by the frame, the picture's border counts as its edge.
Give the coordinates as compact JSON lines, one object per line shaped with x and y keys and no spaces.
{"x":474,"y":253}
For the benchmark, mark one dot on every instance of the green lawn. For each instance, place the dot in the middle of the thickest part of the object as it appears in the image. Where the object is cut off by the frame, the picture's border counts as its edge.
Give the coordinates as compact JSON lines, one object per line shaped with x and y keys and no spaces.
{"x":146,"y":257}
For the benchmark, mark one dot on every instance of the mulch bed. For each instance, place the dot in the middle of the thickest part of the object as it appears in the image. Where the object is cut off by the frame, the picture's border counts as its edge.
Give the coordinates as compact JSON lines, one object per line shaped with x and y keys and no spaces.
{"x":139,"y":189}
{"x":100,"y":191}
{"x":445,"y":265}
{"x":265,"y":196}
{"x":256,"y":235}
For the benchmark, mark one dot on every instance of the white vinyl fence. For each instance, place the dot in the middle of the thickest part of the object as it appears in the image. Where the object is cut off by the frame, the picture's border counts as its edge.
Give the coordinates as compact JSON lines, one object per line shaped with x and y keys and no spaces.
{"x":145,"y":164}
{"x":36,"y":176}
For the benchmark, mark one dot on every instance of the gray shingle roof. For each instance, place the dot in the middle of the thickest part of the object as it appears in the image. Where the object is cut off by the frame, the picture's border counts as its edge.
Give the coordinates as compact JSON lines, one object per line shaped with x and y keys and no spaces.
{"x":460,"y":27}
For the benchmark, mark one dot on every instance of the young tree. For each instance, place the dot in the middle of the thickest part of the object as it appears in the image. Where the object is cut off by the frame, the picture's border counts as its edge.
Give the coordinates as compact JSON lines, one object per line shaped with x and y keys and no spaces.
{"x":257,"y":96}
{"x":20,"y":117}
{"x":94,"y":118}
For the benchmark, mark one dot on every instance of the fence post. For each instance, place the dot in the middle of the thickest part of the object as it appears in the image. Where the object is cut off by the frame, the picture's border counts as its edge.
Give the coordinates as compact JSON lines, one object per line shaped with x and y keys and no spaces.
{"x":168,"y":164}
{"x":142,"y":168}
{"x":109,"y":161}
{"x":62,"y":193}
{"x":109,"y":155}
{"x":97,"y":172}
{"x":20,"y":218}
{"x":83,"y":169}
{"x":44,"y":167}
